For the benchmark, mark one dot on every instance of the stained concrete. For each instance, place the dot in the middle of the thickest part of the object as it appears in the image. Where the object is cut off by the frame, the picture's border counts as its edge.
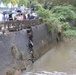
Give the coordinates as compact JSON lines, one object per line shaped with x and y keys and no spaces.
{"x":40,"y":39}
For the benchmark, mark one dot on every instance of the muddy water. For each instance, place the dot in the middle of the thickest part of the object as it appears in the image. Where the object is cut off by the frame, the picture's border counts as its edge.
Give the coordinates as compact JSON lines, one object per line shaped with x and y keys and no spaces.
{"x":61,"y":58}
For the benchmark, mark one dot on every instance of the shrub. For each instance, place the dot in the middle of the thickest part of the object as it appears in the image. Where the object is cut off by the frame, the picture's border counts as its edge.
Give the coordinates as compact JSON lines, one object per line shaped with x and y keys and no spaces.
{"x":70,"y":32}
{"x":44,"y":13}
{"x":66,"y":26}
{"x":65,"y":11}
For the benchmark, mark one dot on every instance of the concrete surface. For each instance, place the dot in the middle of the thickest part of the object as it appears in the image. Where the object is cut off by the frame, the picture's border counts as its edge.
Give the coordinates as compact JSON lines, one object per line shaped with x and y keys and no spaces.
{"x":20,"y":39}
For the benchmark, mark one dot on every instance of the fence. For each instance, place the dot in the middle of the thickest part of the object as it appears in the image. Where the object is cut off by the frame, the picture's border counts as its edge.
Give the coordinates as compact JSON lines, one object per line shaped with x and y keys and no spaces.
{"x":18,"y":25}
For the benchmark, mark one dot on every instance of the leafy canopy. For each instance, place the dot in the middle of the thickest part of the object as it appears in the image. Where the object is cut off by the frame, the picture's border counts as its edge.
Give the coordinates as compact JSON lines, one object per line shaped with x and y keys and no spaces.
{"x":64,"y":12}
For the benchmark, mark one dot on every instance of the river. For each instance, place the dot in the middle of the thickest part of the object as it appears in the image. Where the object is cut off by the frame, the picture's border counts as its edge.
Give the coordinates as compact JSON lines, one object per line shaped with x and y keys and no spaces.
{"x":61,"y":58}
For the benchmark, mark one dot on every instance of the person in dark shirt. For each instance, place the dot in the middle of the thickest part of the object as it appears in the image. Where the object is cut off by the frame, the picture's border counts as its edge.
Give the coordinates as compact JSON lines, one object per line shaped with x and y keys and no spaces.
{"x":31,"y":17}
{"x":10,"y":17}
{"x":30,"y":33}
{"x":30,"y":45}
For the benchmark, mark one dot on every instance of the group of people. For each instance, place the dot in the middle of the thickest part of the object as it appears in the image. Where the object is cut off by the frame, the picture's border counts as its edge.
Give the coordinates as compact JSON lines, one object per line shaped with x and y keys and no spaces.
{"x":18,"y":16}
{"x":9,"y":17}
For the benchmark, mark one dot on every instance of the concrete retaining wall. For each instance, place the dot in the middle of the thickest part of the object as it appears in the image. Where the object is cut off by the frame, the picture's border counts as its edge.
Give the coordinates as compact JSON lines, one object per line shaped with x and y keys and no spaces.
{"x":41,"y":40}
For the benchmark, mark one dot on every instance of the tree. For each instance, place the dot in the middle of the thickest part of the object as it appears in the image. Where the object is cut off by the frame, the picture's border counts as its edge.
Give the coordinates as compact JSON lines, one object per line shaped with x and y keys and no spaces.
{"x":14,"y":2}
{"x":58,"y":2}
{"x":19,"y":2}
{"x":23,"y":2}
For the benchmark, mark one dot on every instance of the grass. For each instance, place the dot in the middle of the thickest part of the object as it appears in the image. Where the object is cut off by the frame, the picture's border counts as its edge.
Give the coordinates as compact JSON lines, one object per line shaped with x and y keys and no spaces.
{"x":70,"y":32}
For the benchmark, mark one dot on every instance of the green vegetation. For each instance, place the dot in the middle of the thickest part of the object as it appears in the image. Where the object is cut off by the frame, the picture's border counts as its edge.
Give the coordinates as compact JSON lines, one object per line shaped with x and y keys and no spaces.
{"x":51,"y":3}
{"x":19,"y":2}
{"x":64,"y":16}
{"x":64,"y":12}
{"x":70,"y":32}
{"x":45,"y":14}
{"x":66,"y":26}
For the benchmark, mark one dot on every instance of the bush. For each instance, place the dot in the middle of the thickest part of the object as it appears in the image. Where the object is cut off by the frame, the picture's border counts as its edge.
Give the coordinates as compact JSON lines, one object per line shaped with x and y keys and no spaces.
{"x":70,"y":32}
{"x":66,"y":26}
{"x":44,"y":13}
{"x":49,"y":26}
{"x":65,"y":11}
{"x":38,"y":7}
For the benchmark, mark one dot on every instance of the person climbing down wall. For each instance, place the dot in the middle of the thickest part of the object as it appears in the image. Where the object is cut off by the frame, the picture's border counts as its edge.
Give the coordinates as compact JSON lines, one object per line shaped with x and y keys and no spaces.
{"x":30,"y":33}
{"x":30,"y":45}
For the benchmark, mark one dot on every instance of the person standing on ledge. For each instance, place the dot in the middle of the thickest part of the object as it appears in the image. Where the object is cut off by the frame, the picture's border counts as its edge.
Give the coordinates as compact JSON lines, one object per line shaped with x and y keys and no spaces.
{"x":4,"y":18}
